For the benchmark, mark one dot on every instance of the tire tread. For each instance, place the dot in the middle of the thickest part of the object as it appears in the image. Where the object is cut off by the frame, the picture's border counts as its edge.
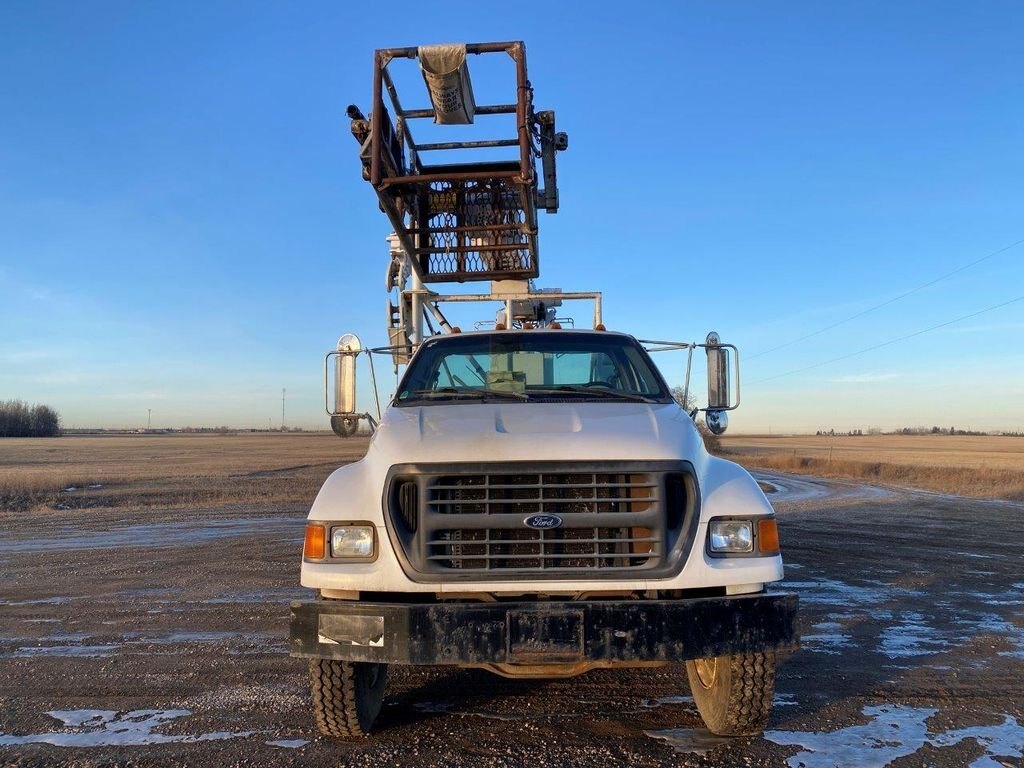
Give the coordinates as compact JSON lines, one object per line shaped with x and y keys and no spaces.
{"x":334,"y":687}
{"x":740,"y":702}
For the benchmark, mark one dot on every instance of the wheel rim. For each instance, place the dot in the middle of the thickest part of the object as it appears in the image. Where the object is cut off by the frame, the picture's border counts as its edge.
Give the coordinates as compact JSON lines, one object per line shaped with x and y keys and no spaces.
{"x":707,"y":670}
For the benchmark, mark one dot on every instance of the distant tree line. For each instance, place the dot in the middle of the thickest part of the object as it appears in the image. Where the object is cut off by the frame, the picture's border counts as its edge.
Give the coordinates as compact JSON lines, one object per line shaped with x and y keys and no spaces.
{"x":907,"y":431}
{"x":19,"y":419}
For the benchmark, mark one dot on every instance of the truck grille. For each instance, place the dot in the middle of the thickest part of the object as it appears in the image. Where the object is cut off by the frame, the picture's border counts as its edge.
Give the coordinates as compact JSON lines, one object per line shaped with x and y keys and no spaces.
{"x":615,"y":517}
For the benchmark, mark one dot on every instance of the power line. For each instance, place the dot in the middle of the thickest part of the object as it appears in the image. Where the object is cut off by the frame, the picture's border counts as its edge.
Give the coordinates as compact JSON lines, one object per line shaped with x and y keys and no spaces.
{"x":888,"y":301}
{"x":891,"y":341}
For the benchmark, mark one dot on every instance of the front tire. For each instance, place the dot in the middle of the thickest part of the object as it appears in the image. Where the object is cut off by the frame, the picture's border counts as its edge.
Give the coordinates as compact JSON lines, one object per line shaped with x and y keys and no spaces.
{"x":734,"y":693}
{"x":347,"y":696}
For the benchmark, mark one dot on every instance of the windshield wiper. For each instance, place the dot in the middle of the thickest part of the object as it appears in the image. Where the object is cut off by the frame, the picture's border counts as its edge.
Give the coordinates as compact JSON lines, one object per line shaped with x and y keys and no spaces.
{"x":596,"y":392}
{"x":481,"y":393}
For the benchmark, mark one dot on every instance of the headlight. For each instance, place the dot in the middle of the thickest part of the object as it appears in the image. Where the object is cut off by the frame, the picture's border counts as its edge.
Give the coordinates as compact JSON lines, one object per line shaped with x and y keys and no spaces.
{"x":353,"y":541}
{"x":731,"y":536}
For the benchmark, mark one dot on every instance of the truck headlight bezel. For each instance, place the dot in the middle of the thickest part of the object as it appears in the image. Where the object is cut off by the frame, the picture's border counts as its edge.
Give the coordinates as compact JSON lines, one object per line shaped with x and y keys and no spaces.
{"x":760,"y":539}
{"x":352,"y":541}
{"x":359,"y":537}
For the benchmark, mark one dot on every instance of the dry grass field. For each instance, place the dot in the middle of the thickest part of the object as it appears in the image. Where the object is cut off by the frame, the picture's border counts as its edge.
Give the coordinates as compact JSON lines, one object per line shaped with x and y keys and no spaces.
{"x":266,"y":468}
{"x":167,"y":470}
{"x":978,"y":466}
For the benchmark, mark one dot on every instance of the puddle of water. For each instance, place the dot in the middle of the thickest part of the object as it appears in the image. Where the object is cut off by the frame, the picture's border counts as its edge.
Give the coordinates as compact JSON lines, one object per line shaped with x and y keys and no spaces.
{"x":912,"y":637}
{"x":289,"y":743}
{"x":1003,"y":601}
{"x":58,"y":600}
{"x":1003,"y":740}
{"x":785,"y":700}
{"x":87,"y":651}
{"x":894,"y":732}
{"x":108,"y":728}
{"x":697,"y":741}
{"x":68,"y":637}
{"x":838,"y":593}
{"x":662,"y":700}
{"x":193,"y":636}
{"x":157,"y":535}
{"x":827,"y":637}
{"x":262,"y":642}
{"x":431,"y":707}
{"x":264,"y":596}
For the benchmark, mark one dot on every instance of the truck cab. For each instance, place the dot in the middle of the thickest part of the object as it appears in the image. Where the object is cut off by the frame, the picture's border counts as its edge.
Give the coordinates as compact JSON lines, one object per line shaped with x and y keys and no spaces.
{"x":534,"y":502}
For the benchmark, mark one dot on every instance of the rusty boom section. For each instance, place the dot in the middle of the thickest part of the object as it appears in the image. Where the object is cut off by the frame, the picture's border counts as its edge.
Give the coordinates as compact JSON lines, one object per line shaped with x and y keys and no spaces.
{"x":457,"y":216}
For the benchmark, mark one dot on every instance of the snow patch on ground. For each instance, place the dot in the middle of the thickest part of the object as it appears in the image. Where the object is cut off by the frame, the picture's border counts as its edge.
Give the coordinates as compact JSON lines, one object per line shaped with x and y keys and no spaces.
{"x":894,"y":732}
{"x":108,"y":728}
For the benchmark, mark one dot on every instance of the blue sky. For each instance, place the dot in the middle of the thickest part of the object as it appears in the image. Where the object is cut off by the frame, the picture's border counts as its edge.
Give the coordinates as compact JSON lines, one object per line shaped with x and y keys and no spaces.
{"x":183,"y":226}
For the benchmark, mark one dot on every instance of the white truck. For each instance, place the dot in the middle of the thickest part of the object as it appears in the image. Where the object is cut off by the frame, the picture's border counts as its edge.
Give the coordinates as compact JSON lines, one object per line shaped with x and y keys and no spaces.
{"x":533,"y":501}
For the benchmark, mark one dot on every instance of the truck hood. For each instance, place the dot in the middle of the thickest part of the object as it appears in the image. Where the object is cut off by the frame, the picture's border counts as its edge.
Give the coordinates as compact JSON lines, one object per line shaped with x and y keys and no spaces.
{"x":536,"y":431}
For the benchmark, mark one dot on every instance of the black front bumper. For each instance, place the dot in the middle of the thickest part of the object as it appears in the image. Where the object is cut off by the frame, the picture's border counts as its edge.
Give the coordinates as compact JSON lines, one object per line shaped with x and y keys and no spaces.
{"x":543,"y":632}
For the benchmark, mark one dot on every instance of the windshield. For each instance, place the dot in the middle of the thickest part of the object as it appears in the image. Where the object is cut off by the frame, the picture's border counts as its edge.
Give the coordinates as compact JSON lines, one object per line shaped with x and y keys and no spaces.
{"x":532,"y":366}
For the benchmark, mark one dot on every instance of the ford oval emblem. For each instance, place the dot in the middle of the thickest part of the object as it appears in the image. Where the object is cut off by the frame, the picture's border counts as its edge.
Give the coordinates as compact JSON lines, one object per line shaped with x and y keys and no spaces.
{"x":543,"y":522}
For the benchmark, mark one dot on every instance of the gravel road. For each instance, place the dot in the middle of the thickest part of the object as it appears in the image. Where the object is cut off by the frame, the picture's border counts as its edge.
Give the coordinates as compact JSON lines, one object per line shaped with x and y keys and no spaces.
{"x":159,"y":639}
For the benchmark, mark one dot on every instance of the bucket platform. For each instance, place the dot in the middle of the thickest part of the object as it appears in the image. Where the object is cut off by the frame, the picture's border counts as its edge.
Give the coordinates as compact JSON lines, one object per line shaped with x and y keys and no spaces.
{"x":460,"y":219}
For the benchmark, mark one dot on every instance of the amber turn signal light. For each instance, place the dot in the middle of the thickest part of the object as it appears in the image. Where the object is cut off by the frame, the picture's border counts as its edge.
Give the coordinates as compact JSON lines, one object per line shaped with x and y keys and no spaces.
{"x":315,"y":546}
{"x":767,"y":536}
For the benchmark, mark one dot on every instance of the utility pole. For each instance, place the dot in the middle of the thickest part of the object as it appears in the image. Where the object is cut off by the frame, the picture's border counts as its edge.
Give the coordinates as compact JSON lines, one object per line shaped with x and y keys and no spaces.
{"x":282,"y":408}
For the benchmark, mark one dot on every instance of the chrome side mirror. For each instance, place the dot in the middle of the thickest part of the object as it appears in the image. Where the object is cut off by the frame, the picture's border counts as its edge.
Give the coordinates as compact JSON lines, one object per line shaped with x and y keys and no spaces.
{"x":722,"y":358}
{"x":718,"y":373}
{"x":344,"y":419}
